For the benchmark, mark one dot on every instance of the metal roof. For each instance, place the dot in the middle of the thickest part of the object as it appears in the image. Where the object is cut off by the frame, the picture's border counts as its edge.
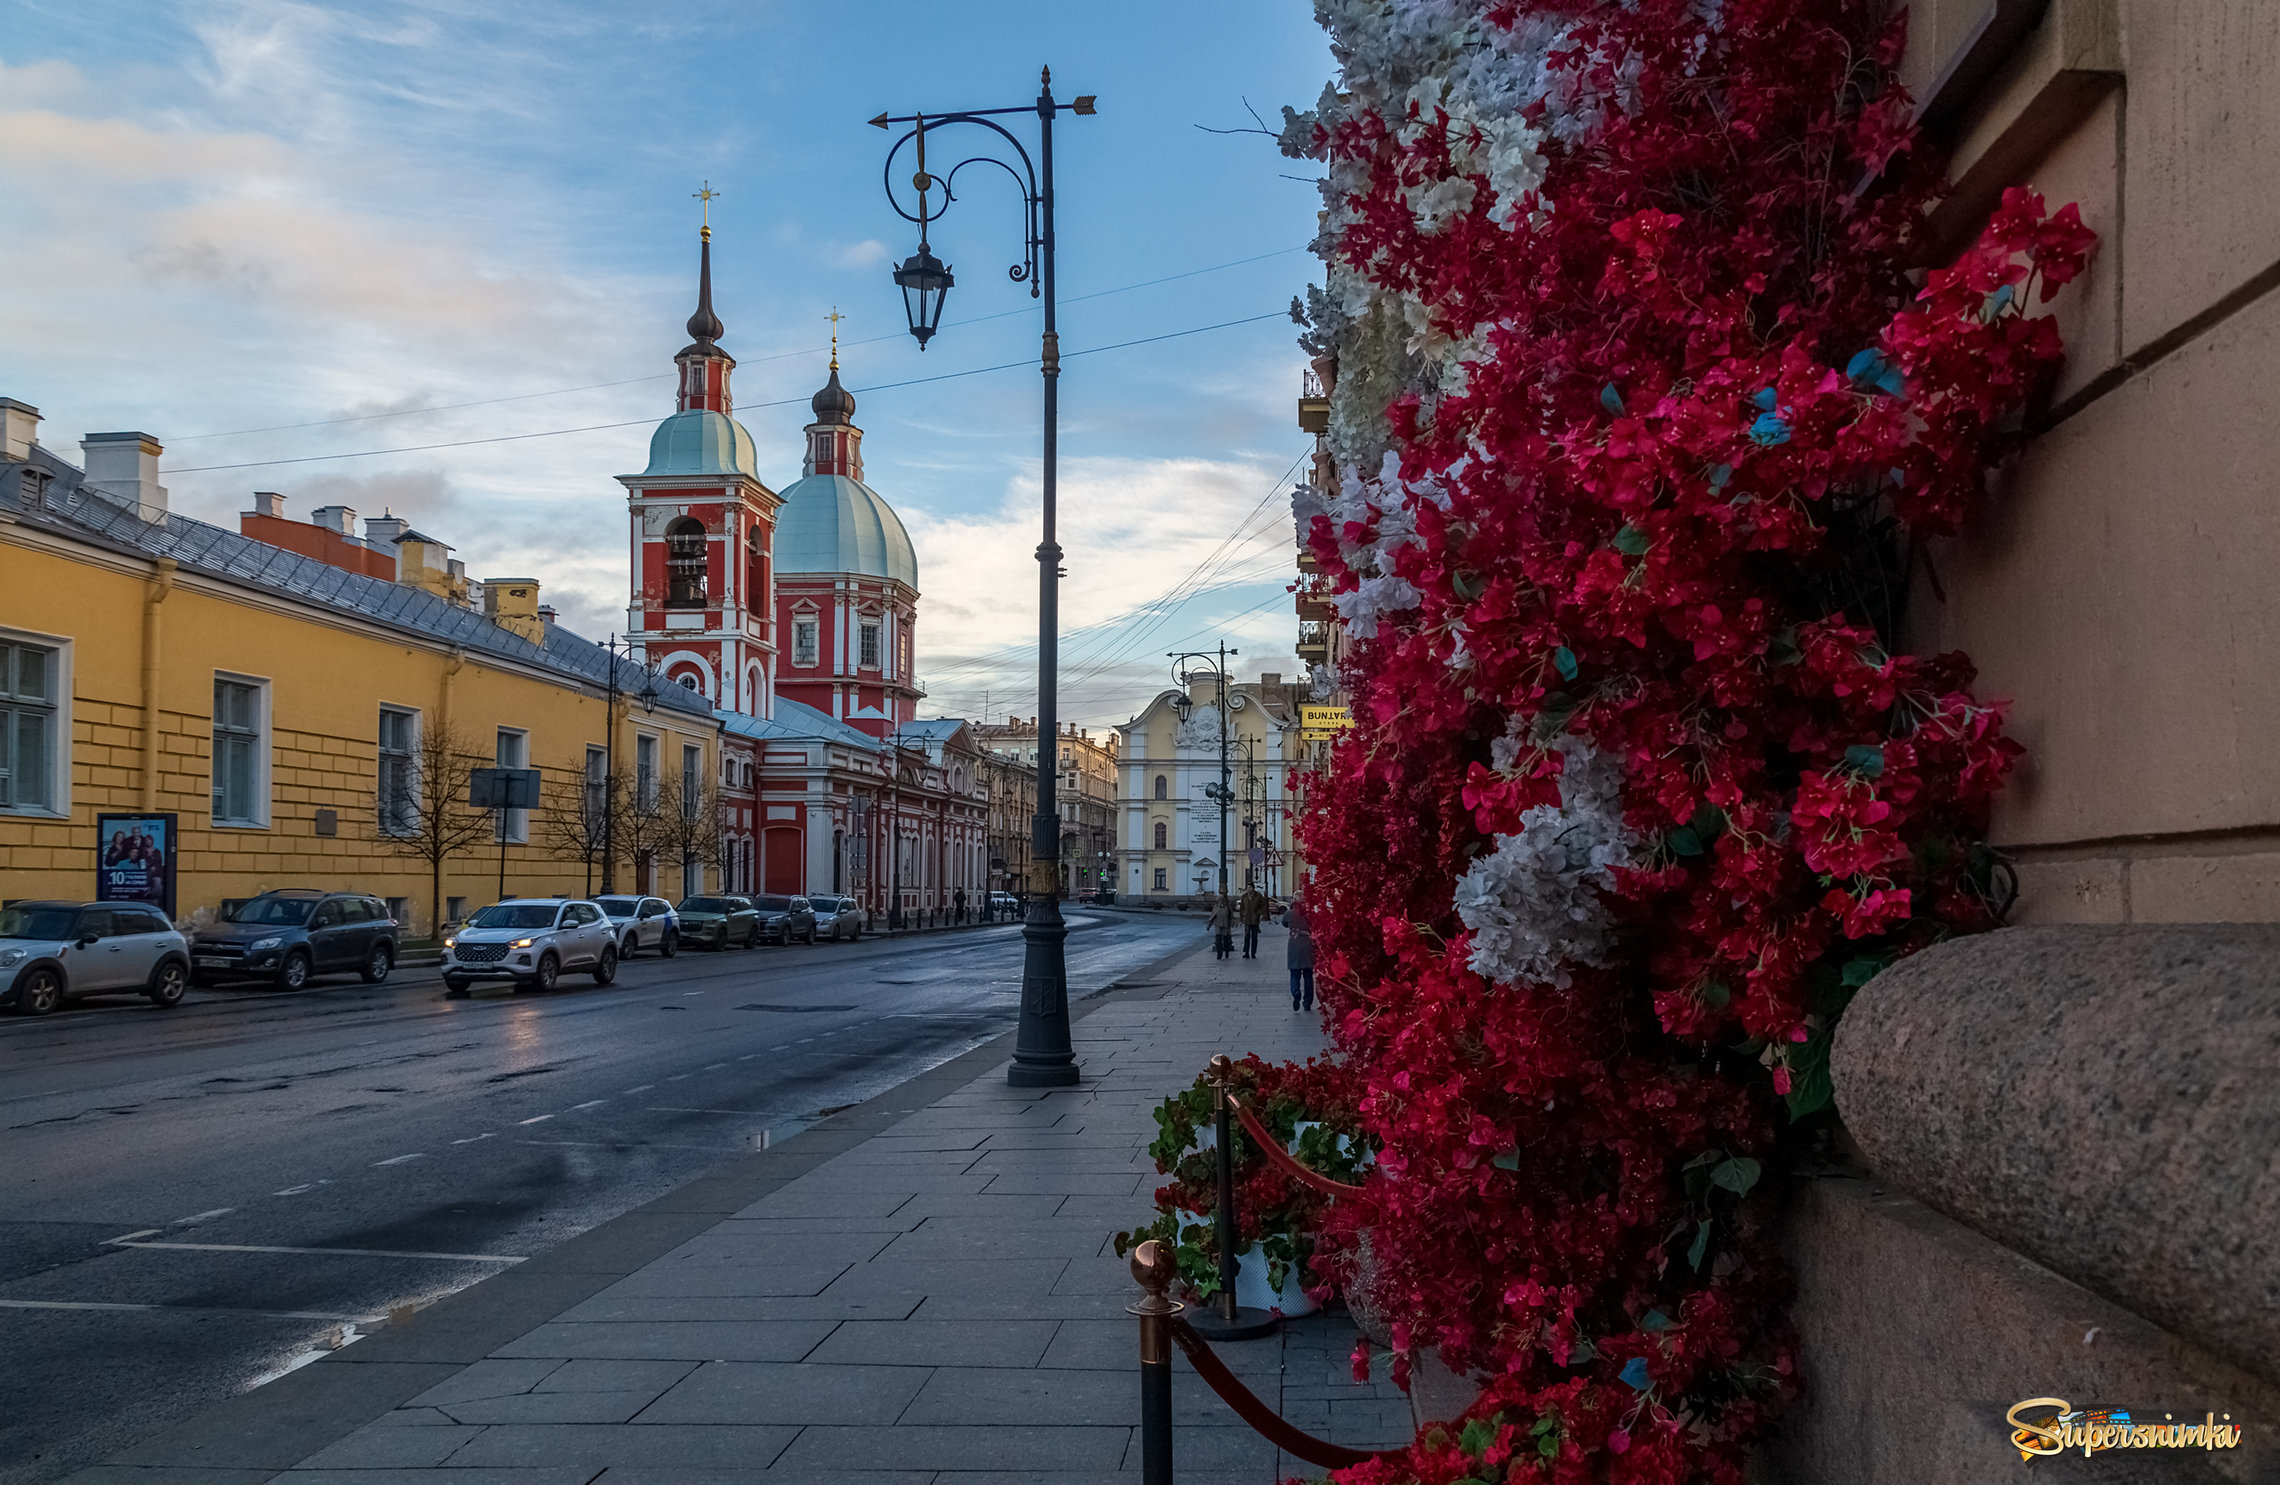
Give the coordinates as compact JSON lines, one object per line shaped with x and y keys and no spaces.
{"x":86,"y":514}
{"x":702,"y":442}
{"x":831,"y":523}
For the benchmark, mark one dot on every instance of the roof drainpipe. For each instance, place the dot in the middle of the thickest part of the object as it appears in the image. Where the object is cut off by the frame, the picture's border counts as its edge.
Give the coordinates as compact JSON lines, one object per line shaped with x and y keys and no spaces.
{"x":161,"y":584}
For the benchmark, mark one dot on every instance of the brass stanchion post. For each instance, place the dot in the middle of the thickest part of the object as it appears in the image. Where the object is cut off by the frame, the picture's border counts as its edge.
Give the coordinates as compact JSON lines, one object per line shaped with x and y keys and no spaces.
{"x":1153,"y":1267}
{"x":1226,"y":1320}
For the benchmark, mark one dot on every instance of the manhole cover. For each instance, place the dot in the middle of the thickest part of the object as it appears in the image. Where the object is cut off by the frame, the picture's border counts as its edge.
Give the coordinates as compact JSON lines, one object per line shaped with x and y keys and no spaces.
{"x":792,"y":1010}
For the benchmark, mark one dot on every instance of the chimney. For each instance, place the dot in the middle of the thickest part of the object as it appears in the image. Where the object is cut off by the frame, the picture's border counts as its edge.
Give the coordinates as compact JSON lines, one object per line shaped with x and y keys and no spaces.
{"x":1269,"y":679}
{"x":338,"y":519}
{"x":546,"y":614}
{"x":124,"y":466}
{"x":268,"y":503}
{"x":512,"y":604}
{"x":19,"y":428}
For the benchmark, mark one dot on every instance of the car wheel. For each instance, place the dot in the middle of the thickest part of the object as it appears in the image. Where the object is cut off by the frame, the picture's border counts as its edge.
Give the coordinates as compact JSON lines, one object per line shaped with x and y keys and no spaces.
{"x":38,"y":993}
{"x":670,"y":944}
{"x":293,"y":974}
{"x":167,"y":982}
{"x":751,"y":938}
{"x":811,"y":935}
{"x":631,"y":946}
{"x":456,"y":984}
{"x":376,"y":968}
{"x":605,"y":968}
{"x":548,"y":974}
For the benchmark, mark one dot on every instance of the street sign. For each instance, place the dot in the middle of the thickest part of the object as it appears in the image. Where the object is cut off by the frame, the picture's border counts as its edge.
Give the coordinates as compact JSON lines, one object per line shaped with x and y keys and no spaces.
{"x":502,"y":788}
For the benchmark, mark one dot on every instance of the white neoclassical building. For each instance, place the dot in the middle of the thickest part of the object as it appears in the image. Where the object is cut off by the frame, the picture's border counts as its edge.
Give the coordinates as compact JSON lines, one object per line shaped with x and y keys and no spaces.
{"x":1169,"y":845}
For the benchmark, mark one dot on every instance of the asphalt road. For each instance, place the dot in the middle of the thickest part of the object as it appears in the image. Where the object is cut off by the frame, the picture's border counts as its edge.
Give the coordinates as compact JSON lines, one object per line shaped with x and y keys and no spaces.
{"x":190,"y":1202}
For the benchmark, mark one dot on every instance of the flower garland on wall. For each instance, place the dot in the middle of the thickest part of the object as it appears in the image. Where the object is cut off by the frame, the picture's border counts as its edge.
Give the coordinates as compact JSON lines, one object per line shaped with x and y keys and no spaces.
{"x":1639,"y":419}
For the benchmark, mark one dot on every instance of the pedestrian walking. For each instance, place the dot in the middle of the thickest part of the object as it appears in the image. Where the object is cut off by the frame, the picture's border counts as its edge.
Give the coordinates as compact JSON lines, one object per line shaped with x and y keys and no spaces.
{"x":958,"y":900}
{"x":1222,"y":927}
{"x":1300,"y":955}
{"x":1253,"y":910}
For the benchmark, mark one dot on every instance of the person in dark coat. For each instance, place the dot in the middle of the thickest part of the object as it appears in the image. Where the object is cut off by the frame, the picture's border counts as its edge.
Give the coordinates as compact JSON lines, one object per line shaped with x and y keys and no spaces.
{"x":1299,"y":955}
{"x":1251,"y":910}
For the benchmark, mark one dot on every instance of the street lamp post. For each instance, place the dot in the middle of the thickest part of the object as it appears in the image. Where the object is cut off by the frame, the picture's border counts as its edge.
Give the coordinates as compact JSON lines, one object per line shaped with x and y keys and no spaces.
{"x":1223,"y":791}
{"x":1042,"y":1055}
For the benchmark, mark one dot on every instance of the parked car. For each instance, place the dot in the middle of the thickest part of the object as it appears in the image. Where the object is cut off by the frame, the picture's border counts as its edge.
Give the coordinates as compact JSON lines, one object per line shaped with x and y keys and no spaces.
{"x":532,"y":941}
{"x":51,"y":952}
{"x":838,"y":918}
{"x":1003,"y":904}
{"x":290,"y":935}
{"x":783,"y":919}
{"x":717,"y":922}
{"x":643,"y":923}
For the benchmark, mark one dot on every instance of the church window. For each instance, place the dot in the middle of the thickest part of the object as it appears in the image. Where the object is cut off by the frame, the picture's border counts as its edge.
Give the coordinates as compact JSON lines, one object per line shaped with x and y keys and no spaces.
{"x":756,"y":570}
{"x":685,"y":564}
{"x":803,"y":641}
{"x":870,"y":637}
{"x":1161,"y":787}
{"x":1160,"y":883}
{"x":1162,"y":832}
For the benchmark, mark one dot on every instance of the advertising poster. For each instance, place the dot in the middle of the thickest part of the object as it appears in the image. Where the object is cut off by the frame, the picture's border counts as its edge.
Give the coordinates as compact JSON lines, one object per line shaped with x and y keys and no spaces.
{"x":134,"y":859}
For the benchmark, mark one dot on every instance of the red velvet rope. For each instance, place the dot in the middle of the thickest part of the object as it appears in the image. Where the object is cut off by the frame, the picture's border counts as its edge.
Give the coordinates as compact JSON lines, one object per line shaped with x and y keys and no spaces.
{"x":1281,"y":1157}
{"x":1264,"y":1420}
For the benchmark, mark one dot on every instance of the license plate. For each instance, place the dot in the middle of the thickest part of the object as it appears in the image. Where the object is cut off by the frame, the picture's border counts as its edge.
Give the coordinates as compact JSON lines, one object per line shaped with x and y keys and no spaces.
{"x":207,"y":961}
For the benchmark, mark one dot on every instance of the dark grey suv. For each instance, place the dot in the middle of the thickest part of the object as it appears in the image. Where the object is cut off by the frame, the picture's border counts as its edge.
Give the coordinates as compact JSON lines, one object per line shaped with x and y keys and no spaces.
{"x":783,"y":919}
{"x":288,"y":936}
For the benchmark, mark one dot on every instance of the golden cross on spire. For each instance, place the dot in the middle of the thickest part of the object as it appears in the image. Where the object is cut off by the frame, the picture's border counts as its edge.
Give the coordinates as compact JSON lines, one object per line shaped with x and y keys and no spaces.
{"x":706,"y":194}
{"x":835,"y":317}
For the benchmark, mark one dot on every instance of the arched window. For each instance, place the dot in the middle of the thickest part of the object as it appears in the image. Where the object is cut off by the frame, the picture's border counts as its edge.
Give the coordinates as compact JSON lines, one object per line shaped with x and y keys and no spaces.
{"x":1161,"y":830}
{"x":756,"y":572}
{"x":685,"y":563}
{"x":1160,"y":787}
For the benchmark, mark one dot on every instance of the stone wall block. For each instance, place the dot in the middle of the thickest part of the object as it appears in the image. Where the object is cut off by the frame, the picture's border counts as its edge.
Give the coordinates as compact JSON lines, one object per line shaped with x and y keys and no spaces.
{"x":2103,"y":1099}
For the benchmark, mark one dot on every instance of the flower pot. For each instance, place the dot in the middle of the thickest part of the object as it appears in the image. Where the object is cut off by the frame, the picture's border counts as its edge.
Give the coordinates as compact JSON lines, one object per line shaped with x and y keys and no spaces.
{"x":1251,"y":1288}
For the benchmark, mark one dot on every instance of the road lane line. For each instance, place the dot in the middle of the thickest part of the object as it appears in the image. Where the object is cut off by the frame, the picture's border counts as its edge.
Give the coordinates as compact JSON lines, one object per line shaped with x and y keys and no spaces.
{"x":400,"y":1159}
{"x":541,"y":1119}
{"x":471,"y":1139}
{"x":296,"y":1190}
{"x":714,"y":1066}
{"x":202,"y":1217}
{"x":643,"y":1088}
{"x":592,"y":1104}
{"x":130,"y":1237}
{"x":334,"y":1252}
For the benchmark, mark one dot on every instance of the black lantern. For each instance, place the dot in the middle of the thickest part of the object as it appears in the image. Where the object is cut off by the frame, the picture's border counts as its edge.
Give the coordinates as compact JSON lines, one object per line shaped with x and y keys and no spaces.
{"x":649,"y":695}
{"x":925,"y":281}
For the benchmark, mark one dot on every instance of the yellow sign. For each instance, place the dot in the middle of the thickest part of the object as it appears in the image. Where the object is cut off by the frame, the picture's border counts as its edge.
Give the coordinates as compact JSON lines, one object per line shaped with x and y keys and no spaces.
{"x":2059,"y":1426}
{"x":1323,"y":723}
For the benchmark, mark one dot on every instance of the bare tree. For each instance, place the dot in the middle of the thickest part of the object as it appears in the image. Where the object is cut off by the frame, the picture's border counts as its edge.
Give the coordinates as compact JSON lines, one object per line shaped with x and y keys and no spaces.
{"x":646,"y":826}
{"x":425,"y":814}
{"x":687,"y":828}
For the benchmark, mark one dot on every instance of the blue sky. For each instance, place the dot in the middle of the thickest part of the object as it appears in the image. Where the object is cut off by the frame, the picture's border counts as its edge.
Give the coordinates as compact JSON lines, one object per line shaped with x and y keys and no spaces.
{"x":230,"y":217}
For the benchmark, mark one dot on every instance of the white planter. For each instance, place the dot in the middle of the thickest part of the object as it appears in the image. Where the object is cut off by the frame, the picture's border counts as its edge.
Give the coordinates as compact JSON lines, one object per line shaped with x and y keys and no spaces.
{"x":1251,"y":1288}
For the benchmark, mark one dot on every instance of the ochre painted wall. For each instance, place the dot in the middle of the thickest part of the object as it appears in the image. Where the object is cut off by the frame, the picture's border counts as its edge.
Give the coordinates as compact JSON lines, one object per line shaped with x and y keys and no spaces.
{"x":328,"y":675}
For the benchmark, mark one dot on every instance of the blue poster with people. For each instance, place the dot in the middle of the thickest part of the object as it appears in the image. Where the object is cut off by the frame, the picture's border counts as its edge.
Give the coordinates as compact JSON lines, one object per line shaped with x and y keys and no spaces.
{"x":134,"y":859}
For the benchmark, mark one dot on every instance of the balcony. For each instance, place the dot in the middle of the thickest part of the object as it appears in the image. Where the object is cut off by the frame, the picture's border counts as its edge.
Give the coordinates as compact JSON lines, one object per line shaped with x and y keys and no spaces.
{"x":1314,"y":641}
{"x":1313,"y":405}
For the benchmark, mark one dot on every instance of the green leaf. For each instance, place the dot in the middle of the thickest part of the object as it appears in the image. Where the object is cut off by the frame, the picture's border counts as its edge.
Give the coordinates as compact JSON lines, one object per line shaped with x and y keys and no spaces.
{"x":1508,"y":1159}
{"x":1655,"y":1321}
{"x":1782,"y":648}
{"x":1715,"y":995}
{"x":1700,"y":1247}
{"x":1683,"y":841}
{"x":1563,"y":660}
{"x":1581,"y":1351}
{"x":1737,"y":1175}
{"x":1859,"y":972}
{"x":1866,"y":759}
{"x":1477,"y":1436}
{"x":1810,"y":1090}
{"x":1630,"y":541}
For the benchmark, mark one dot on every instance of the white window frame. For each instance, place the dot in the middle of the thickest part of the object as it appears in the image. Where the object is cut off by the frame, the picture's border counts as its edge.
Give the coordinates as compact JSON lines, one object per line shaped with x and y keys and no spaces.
{"x":807,"y":640}
{"x":411,"y":764}
{"x":263,"y":746}
{"x":594,"y":784}
{"x":58,"y":804}
{"x":867,"y":647}
{"x":645,"y":748}
{"x":692,"y":779}
{"x":511,"y":826}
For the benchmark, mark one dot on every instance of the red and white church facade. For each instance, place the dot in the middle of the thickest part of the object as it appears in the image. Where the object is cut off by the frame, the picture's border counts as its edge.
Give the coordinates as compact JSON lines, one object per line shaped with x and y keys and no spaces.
{"x":795,"y":613}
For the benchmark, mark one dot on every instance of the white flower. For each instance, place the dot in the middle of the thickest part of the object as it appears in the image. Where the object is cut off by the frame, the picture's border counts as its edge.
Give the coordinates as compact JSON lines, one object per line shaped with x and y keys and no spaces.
{"x":1533,"y":904}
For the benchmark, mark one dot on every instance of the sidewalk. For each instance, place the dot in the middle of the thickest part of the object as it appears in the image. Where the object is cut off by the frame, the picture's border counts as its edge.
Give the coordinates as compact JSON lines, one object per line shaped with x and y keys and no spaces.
{"x":926,"y":1292}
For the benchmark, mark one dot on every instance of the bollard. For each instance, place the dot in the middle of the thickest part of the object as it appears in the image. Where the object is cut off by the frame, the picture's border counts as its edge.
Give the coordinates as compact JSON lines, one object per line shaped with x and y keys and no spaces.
{"x":1225,"y":1320}
{"x":1153,"y":1267}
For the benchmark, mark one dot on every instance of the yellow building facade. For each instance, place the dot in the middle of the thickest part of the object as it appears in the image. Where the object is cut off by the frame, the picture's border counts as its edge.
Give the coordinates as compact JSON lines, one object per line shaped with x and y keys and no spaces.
{"x":1170,"y":848}
{"x":266,"y":700}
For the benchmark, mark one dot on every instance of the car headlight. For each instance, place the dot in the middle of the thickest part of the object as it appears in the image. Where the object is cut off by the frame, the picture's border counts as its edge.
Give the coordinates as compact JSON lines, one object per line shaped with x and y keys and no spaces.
{"x":524,"y":943}
{"x":263,"y":943}
{"x":450,"y":942}
{"x":13,"y":956}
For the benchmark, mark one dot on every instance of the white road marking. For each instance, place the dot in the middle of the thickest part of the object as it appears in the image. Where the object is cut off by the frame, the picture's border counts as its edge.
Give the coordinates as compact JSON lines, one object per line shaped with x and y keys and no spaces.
{"x":692,"y":992}
{"x":333,"y":1252}
{"x":714,"y":1066}
{"x":130,"y":1237}
{"x":471,"y":1139}
{"x":677,"y":1077}
{"x":296,"y":1190}
{"x":400,"y":1159}
{"x":541,"y":1119}
{"x":739,"y":1113}
{"x":803,"y":1041}
{"x":593,"y":1104}
{"x":747,"y":1057}
{"x":202,"y":1217}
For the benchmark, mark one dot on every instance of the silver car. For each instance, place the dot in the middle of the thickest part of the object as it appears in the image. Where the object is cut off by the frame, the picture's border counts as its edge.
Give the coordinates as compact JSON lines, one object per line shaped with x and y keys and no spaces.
{"x":54,"y":951}
{"x":533,"y":942}
{"x":643,"y":923}
{"x":838,"y":918}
